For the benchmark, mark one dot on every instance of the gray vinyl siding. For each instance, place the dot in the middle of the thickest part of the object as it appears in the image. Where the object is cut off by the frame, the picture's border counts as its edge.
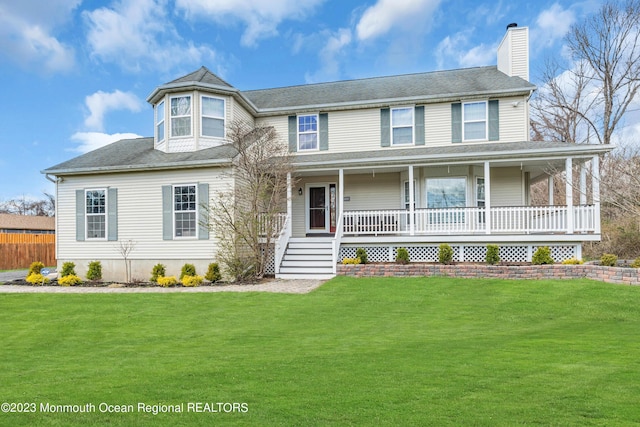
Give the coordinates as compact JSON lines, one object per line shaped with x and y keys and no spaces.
{"x":437,"y":124}
{"x":139,"y":213}
{"x":238,"y":112}
{"x":513,"y":119}
{"x":507,"y":187}
{"x":356,"y":130}
{"x":279,"y":123}
{"x":368,"y":192}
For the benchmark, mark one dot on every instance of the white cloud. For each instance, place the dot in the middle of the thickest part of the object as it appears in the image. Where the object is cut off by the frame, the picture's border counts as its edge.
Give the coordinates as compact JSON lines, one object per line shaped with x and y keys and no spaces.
{"x":551,"y":25}
{"x":138,"y":34}
{"x":261,"y":17}
{"x":455,"y":51}
{"x":27,"y":33}
{"x":385,"y":15}
{"x":329,"y":56}
{"x":101,"y":103}
{"x":89,"y":141}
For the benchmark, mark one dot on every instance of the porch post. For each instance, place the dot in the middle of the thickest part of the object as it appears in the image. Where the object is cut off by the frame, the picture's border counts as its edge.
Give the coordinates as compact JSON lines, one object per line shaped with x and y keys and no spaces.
{"x":550,"y":189}
{"x":583,"y":184}
{"x":289,"y":201}
{"x":568,"y":169}
{"x":412,"y":227}
{"x":340,"y":193}
{"x":595,"y":186}
{"x":487,"y":198}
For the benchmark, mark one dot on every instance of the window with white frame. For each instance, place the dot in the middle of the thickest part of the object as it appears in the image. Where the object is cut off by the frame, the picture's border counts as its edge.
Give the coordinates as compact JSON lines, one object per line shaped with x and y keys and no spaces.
{"x":402,"y":126}
{"x":446,"y":192}
{"x":406,"y":195}
{"x":212,"y":116}
{"x":181,"y":115}
{"x":96,"y":213}
{"x":185,"y":205}
{"x":480,"y":192}
{"x":308,"y":132}
{"x":474,"y":119}
{"x":160,"y":121}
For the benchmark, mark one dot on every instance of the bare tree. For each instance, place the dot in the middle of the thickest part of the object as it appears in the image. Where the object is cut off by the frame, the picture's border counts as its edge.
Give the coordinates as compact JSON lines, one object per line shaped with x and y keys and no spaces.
{"x":26,"y":206}
{"x":244,"y":218}
{"x":125,"y":248}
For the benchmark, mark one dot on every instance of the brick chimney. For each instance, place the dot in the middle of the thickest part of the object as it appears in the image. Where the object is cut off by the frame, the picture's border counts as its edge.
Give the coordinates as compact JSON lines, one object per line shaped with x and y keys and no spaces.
{"x":513,"y":52}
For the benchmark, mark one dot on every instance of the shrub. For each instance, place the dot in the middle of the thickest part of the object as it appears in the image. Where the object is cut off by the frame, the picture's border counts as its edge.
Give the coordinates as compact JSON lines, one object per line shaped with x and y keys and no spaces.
{"x":68,"y":269}
{"x":192,"y":281}
{"x":636,"y":263}
{"x":402,"y":256}
{"x":69,"y":280}
{"x":362,"y":254}
{"x":445,"y":254}
{"x":167,"y":281}
{"x":37,"y":279}
{"x":159,"y":270}
{"x":95,"y":271}
{"x":493,"y":254}
{"x":240,"y":269}
{"x":35,"y":268}
{"x":542,"y":256}
{"x":188,"y":270}
{"x":572,"y":261}
{"x":356,"y":260}
{"x":213,"y":273}
{"x":609,"y":260}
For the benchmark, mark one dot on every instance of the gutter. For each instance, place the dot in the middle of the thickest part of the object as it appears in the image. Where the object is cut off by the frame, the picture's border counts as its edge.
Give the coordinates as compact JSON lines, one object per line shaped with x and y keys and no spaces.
{"x":136,"y":168}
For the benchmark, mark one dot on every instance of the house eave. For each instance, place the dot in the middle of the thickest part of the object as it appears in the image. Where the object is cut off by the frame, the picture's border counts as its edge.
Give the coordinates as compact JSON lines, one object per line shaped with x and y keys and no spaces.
{"x":138,"y":168}
{"x":160,"y":91}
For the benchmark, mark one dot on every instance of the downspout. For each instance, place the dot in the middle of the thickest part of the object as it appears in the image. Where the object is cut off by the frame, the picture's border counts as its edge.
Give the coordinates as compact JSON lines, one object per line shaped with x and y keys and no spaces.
{"x":55,"y":212}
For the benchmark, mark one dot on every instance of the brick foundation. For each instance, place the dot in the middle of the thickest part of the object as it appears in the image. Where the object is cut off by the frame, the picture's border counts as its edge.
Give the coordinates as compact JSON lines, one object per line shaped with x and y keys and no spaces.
{"x":626,"y":276}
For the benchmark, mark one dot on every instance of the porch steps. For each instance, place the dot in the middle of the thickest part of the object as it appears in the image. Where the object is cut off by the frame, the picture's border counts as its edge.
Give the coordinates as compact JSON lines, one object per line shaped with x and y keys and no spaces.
{"x":307,"y":258}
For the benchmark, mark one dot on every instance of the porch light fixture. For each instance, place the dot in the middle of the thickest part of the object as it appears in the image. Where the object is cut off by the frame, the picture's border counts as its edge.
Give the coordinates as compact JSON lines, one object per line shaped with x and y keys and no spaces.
{"x":300,"y":191}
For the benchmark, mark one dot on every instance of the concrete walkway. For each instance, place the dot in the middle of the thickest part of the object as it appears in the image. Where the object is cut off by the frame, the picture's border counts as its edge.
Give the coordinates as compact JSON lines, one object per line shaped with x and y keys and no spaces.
{"x":7,"y":276}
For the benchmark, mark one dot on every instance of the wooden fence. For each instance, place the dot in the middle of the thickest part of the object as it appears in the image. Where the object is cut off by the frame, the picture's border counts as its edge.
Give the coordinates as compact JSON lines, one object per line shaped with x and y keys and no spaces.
{"x":20,"y":250}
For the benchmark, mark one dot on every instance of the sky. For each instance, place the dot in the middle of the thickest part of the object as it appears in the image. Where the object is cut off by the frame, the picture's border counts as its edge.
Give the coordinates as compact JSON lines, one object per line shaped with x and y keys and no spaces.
{"x":75,"y":74}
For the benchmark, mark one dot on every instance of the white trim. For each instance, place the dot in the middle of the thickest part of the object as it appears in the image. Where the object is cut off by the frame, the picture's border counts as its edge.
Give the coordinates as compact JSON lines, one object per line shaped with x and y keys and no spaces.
{"x":163,"y":121}
{"x":327,"y":213}
{"x":317,"y":132}
{"x":182,"y":95}
{"x":173,"y":212}
{"x":486,"y":121}
{"x":105,"y":214}
{"x":413,"y":125}
{"x":223,"y":118}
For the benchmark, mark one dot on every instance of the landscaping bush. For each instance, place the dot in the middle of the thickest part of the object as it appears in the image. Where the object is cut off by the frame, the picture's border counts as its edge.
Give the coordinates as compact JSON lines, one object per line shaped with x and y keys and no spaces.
{"x":68,"y":269}
{"x":402,"y":256}
{"x":37,"y":279}
{"x":356,"y":260}
{"x":35,"y":268}
{"x":213,"y":273}
{"x":167,"y":281}
{"x":362,"y":254}
{"x":609,"y":260}
{"x":159,"y":270}
{"x":188,"y":270}
{"x":192,"y":281}
{"x":542,"y":256}
{"x":573,"y":261}
{"x":69,"y":280}
{"x":493,"y":254}
{"x":445,"y":254}
{"x":240,"y":269}
{"x":636,"y":263}
{"x":95,"y":271}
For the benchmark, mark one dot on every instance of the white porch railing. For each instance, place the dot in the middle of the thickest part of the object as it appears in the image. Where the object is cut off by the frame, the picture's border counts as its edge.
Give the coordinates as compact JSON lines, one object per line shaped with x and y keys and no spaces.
{"x":275,"y":223}
{"x":516,"y":219}
{"x":281,"y":241}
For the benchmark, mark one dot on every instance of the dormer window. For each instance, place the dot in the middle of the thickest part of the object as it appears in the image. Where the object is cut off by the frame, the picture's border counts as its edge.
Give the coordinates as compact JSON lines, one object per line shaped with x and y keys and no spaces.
{"x":160,"y":121}
{"x":212,"y":116}
{"x":180,"y":115}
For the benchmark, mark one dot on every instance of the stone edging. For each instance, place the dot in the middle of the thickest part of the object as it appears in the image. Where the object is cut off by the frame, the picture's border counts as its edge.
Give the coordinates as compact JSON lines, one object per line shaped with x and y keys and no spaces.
{"x":627,"y":276}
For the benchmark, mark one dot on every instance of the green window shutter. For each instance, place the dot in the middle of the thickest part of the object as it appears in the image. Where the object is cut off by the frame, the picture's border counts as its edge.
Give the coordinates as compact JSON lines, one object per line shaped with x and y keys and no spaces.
{"x":324,"y":132}
{"x":385,"y":127}
{"x":167,"y":212}
{"x":494,"y":121}
{"x":419,"y":125}
{"x":456,"y":122}
{"x":80,"y":211}
{"x":203,"y":210}
{"x":293,"y":134}
{"x":112,"y":214}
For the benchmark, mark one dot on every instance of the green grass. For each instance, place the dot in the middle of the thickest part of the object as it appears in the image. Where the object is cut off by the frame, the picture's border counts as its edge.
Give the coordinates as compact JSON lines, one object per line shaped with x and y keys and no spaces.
{"x":436,"y":351}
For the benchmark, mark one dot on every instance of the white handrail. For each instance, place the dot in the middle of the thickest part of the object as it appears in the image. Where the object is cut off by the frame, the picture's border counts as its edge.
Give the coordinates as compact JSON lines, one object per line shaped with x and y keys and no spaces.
{"x":282,"y":241}
{"x":337,"y":237}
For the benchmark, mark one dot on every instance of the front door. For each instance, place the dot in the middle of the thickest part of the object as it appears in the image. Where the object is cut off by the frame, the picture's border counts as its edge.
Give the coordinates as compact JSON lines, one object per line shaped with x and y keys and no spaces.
{"x":321,"y":208}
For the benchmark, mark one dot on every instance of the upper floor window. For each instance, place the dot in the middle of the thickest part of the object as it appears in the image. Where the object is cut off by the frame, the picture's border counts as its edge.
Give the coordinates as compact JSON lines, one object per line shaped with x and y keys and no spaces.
{"x":308,"y":132}
{"x":212,"y":116}
{"x":160,"y":121}
{"x":184,"y":210}
{"x":181,"y":115}
{"x":96,"y":214}
{"x":474,"y":119}
{"x":402,"y":126}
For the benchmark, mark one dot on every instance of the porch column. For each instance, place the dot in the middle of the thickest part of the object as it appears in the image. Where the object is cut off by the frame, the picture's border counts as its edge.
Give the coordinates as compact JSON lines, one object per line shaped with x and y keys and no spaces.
{"x":568,"y":169}
{"x":595,"y":187}
{"x":583,"y":184}
{"x":550,"y":189}
{"x":487,"y":198}
{"x":412,"y":227}
{"x":289,"y":201}
{"x":340,"y":197}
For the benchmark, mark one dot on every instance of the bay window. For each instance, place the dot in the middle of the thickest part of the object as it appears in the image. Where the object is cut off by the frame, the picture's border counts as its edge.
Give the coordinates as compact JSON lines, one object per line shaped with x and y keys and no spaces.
{"x":181,"y":115}
{"x":212,"y":111}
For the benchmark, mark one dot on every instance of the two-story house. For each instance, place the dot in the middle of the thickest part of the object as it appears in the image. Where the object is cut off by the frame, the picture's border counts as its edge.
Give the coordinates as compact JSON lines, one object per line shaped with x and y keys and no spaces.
{"x":382,"y":163}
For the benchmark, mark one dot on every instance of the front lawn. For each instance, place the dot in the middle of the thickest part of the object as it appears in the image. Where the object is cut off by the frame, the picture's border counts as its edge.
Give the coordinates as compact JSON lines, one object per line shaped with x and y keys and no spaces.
{"x":387,"y":351}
